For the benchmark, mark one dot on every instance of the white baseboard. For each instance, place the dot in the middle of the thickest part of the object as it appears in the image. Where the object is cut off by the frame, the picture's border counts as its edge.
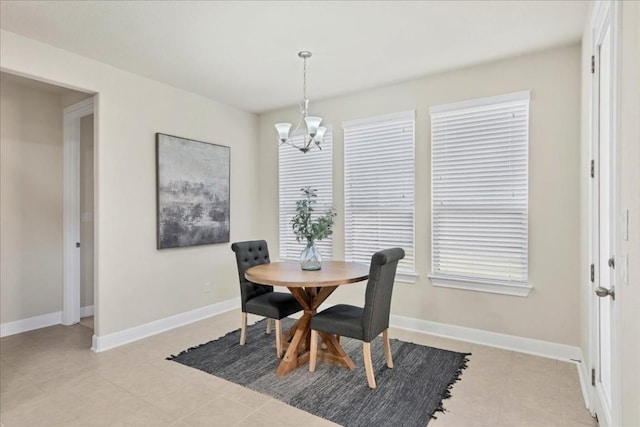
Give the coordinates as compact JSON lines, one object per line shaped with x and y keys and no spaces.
{"x":493,"y":339}
{"x":86,"y":311}
{"x":566,"y":353}
{"x":29,"y":324}
{"x":116,"y":339}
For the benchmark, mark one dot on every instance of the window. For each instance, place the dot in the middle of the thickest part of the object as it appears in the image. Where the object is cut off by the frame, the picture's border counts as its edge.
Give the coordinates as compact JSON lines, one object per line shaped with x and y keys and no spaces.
{"x":379,"y":188}
{"x":479,"y":194}
{"x":298,"y":170}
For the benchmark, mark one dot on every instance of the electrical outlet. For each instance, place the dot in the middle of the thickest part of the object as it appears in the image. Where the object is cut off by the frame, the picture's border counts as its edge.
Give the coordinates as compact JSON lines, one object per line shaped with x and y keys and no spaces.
{"x":207,"y":287}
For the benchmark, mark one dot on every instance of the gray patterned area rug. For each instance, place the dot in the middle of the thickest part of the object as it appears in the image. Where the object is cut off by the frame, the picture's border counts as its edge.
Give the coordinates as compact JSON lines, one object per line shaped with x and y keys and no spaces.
{"x":407,"y":395}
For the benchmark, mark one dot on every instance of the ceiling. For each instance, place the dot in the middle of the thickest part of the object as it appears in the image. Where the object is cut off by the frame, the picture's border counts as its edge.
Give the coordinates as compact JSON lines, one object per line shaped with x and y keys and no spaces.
{"x":244,"y":53}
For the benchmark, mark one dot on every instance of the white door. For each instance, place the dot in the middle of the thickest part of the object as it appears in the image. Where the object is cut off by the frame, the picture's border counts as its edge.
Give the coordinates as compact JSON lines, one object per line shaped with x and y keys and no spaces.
{"x":71,"y":210}
{"x":604,"y":214}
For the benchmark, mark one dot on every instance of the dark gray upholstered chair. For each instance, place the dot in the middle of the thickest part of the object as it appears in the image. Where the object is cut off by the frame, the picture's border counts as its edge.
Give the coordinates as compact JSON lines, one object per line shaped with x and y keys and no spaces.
{"x":366,"y":323}
{"x":260,"y":299}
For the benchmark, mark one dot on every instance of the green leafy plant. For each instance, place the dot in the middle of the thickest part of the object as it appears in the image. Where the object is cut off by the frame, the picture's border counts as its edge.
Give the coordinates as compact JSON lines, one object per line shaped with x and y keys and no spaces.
{"x":308,"y":226}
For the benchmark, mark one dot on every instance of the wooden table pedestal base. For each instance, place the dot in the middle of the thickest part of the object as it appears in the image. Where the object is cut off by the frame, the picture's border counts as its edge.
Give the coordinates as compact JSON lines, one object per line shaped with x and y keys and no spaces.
{"x":298,"y":339}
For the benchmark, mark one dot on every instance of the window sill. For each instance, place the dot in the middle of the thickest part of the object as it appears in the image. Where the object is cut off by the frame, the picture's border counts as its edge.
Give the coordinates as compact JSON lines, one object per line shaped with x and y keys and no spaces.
{"x":406,"y":277}
{"x":474,"y":285}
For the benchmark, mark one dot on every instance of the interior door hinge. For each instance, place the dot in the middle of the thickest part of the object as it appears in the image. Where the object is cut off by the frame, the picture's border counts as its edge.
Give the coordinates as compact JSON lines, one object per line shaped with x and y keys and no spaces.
{"x":593,"y":168}
{"x":593,"y":377}
{"x":592,"y":274}
{"x":593,"y":64}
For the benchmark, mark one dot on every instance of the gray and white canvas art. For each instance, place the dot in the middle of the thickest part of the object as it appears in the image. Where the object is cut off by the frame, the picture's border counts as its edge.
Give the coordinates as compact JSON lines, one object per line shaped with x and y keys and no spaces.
{"x":193,"y":192}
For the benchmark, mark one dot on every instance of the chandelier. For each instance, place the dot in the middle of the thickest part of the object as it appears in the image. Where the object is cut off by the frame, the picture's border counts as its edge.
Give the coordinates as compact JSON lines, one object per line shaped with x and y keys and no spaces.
{"x":314,"y":132}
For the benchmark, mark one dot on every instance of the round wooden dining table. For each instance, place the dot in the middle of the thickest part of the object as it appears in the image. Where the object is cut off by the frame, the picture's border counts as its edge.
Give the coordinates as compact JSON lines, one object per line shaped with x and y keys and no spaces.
{"x":310,"y":288}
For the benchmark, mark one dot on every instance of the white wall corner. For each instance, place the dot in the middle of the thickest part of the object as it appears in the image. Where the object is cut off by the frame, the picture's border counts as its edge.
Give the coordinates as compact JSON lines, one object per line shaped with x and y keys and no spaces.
{"x":86,"y":311}
{"x":116,"y":339}
{"x":29,"y":324}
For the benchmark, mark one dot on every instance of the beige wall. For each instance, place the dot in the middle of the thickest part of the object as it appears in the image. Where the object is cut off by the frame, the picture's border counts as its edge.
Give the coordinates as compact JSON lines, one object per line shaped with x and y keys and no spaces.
{"x":135,"y":282}
{"x":86,"y":211}
{"x":551,"y":311}
{"x":629,"y":292}
{"x":30,"y":201}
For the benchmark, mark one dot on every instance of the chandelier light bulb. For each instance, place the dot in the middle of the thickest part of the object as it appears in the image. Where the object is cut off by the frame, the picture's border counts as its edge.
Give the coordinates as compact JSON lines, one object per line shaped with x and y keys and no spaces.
{"x":312,"y":125}
{"x":319,"y":135}
{"x":283,"y":131}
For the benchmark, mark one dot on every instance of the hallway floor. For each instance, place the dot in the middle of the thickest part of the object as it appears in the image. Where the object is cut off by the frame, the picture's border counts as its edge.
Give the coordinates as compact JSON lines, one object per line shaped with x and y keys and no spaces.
{"x":49,"y":377}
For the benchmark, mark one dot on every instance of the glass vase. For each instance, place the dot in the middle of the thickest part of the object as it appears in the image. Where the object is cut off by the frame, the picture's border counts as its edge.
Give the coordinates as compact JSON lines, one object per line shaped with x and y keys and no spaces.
{"x":310,"y":258}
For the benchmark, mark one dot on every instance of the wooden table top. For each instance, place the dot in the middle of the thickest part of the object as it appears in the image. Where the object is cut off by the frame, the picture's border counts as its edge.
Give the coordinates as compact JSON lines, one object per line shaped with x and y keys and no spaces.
{"x":289,"y":274}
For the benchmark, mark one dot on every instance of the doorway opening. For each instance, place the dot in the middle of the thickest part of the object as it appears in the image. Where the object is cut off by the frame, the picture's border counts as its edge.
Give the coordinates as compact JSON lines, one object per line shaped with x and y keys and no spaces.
{"x":35,"y":180}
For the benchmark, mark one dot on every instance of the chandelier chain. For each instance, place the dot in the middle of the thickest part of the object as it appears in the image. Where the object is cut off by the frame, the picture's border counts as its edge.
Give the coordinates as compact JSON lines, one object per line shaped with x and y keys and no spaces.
{"x":304,"y":79}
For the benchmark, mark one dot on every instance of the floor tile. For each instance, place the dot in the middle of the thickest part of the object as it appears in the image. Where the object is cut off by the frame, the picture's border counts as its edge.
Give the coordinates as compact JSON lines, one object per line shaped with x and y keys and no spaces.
{"x":479,"y":404}
{"x":277,"y":414}
{"x":449,"y":419}
{"x":221,"y":412}
{"x":45,"y":411}
{"x":147,"y":415}
{"x":185,"y":400}
{"x":247,"y":397}
{"x":11,"y":379}
{"x":19,"y":395}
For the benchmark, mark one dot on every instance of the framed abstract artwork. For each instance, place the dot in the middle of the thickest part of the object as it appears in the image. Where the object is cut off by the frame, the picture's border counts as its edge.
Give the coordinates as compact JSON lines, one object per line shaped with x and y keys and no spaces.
{"x":192,"y":192}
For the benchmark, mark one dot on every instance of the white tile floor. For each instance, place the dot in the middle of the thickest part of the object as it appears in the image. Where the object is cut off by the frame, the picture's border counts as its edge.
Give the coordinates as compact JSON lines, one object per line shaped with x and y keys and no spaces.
{"x":49,"y":377}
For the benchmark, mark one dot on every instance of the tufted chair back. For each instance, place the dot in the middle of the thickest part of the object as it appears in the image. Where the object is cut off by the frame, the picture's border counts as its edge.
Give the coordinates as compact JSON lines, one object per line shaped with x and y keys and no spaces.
{"x":377,"y":304}
{"x":248,"y":254}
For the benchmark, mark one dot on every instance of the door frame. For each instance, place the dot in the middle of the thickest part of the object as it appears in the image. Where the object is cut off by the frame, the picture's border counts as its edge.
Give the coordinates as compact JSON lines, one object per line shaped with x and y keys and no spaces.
{"x":604,"y":12}
{"x":71,"y":209}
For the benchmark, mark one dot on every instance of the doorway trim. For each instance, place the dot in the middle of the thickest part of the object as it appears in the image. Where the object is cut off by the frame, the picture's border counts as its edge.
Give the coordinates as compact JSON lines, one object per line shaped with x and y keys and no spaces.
{"x":605,"y":12}
{"x":71,"y":209}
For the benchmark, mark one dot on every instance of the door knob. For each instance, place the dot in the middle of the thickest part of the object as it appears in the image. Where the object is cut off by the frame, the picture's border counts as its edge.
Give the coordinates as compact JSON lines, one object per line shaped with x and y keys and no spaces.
{"x":604,"y":292}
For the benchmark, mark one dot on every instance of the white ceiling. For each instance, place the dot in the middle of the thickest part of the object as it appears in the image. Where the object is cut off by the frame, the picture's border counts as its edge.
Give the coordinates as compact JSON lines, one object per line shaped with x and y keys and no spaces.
{"x":244,"y":53}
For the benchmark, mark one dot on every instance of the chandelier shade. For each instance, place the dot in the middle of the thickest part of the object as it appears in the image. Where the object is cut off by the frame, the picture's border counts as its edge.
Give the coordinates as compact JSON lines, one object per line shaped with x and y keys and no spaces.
{"x":314,"y":132}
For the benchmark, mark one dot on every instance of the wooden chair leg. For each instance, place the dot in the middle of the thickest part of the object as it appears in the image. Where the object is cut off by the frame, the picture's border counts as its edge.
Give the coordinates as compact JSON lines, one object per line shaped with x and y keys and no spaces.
{"x":387,"y":348}
{"x":368,"y":366}
{"x":313,"y":351}
{"x":278,"y":339}
{"x":243,"y":329}
{"x":268,"y":326}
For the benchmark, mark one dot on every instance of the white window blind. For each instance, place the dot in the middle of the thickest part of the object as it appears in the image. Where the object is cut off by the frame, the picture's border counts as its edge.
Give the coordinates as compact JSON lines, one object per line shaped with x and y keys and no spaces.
{"x":480,"y":193}
{"x":298,"y":170}
{"x":379,"y":187}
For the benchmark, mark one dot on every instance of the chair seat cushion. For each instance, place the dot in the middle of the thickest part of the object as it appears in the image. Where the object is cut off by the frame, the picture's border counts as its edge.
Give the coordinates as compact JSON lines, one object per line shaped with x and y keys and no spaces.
{"x":274,"y":305}
{"x":342,"y":319}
